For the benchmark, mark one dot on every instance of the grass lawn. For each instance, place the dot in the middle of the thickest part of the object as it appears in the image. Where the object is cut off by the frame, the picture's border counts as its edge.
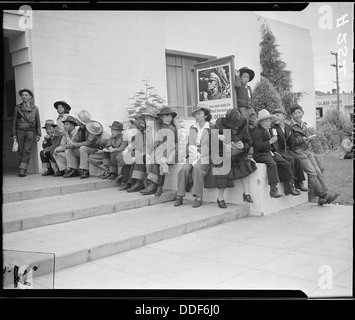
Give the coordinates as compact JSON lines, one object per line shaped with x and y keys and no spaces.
{"x":339,"y":176}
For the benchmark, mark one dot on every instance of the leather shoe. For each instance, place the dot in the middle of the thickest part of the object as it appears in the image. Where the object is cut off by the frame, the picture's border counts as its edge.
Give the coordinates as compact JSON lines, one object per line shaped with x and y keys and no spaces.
{"x":59,"y":173}
{"x":274,"y":192}
{"x":138,"y":186}
{"x":197,"y":203}
{"x":104,"y":175}
{"x":290,"y":189}
{"x":85,"y":174}
{"x":159,"y":191}
{"x":72,"y":173}
{"x":247,"y":198}
{"x":150,"y":189}
{"x":22,"y":173}
{"x":48,"y":172}
{"x":178,"y":201}
{"x":331,"y":197}
{"x":322,"y":201}
{"x":124,"y":186}
{"x":112,"y":176}
{"x":299,"y":185}
{"x":222,"y":204}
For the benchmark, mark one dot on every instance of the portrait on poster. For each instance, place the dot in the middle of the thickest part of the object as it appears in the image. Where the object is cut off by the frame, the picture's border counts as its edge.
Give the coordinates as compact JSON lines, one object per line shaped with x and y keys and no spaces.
{"x":215,"y":85}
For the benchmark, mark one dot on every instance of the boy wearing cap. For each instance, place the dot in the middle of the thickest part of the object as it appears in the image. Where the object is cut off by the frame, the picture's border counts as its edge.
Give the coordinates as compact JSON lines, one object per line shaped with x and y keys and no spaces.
{"x":63,"y":109}
{"x":285,"y":146}
{"x":112,"y":154}
{"x":26,"y":126}
{"x":51,"y":141}
{"x":244,"y":95}
{"x":70,"y":134}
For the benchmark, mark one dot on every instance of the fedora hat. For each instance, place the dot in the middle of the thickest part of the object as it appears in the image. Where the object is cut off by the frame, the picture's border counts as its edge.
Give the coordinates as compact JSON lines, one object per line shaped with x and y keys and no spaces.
{"x":215,"y":77}
{"x":116,"y":126}
{"x":70,"y":119}
{"x":83,"y":116}
{"x":63,"y":103}
{"x":248,"y":71}
{"x":233,"y":119}
{"x":200,"y":106}
{"x":27,"y":90}
{"x":49,"y":123}
{"x":263,"y":115}
{"x":280,"y":110}
{"x":167,"y":110}
{"x":148,"y":111}
{"x":94,"y":127}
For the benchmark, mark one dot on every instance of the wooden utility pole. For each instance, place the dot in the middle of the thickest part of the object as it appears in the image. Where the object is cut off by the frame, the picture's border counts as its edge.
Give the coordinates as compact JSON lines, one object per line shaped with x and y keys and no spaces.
{"x":337,"y":76}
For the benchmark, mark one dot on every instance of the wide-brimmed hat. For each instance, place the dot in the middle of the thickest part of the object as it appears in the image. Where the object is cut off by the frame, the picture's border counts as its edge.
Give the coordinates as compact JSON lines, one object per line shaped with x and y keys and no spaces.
{"x":215,"y":77}
{"x":70,"y":119}
{"x":83,"y":116}
{"x":94,"y":127}
{"x":63,"y":103}
{"x":233,"y":119}
{"x":167,"y":110}
{"x":247,"y":70}
{"x":27,"y":90}
{"x":139,"y":124}
{"x":263,"y":115}
{"x":200,"y":106}
{"x":49,"y":123}
{"x":280,"y":110}
{"x":148,"y":111}
{"x":116,"y":126}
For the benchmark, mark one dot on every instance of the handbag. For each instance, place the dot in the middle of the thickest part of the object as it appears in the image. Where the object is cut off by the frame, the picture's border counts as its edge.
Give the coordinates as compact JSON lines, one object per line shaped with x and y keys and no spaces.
{"x":15,"y":146}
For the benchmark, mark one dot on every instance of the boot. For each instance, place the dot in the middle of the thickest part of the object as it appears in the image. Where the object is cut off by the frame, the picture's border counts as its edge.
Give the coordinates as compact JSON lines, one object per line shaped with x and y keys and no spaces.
{"x":22,"y":173}
{"x":178,"y":201}
{"x":290,"y":189}
{"x":85,"y":174}
{"x":274,"y":192}
{"x":48,"y":172}
{"x":331,"y":197}
{"x":150,"y":189}
{"x":124,"y":186}
{"x":161,"y":181}
{"x":299,"y":185}
{"x":138,"y":186}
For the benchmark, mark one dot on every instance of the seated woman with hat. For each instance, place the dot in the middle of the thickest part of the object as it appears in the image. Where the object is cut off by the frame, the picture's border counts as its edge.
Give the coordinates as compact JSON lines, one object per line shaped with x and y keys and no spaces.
{"x":198,"y":159}
{"x":278,"y":169}
{"x":63,"y":109}
{"x":164,"y":152}
{"x":239,"y":145}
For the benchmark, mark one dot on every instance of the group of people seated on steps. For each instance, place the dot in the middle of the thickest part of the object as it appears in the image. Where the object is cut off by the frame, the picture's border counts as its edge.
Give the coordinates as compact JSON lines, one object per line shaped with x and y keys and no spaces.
{"x":140,"y":151}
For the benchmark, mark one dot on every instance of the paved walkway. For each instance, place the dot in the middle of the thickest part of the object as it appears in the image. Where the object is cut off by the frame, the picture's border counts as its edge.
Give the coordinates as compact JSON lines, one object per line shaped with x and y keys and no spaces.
{"x":308,"y":247}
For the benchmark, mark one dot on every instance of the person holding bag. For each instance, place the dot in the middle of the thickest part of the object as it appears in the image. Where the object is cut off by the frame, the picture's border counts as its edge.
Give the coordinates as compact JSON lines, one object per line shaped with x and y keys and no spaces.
{"x":26,"y":126}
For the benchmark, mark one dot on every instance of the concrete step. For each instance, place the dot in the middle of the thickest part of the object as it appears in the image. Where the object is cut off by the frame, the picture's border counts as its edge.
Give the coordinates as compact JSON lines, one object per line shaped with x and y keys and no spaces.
{"x":81,"y":241}
{"x":27,"y":214}
{"x":34,"y":186}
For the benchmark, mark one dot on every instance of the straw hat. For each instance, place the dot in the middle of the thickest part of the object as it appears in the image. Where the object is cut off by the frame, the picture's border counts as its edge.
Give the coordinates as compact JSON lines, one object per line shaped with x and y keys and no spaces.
{"x":83,"y":116}
{"x":94,"y":127}
{"x":263,"y":115}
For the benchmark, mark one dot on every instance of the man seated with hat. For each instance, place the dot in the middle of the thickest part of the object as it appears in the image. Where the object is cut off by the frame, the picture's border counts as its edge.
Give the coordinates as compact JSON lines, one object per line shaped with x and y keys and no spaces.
{"x":51,"y":141}
{"x":70,"y":135}
{"x":94,"y":151}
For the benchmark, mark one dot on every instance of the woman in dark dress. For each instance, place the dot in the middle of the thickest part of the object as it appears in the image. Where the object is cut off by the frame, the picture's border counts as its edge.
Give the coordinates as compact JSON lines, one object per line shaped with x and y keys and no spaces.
{"x":239,"y":145}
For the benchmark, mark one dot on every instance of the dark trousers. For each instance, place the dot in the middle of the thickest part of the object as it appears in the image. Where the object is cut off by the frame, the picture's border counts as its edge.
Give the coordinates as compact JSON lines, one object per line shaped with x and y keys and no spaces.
{"x":296,"y":164}
{"x":25,"y":141}
{"x":47,"y":157}
{"x":278,"y":168}
{"x":127,"y":173}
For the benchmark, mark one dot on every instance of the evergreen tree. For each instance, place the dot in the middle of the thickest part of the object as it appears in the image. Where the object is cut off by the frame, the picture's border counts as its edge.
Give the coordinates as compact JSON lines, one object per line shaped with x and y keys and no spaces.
{"x":265,"y":96}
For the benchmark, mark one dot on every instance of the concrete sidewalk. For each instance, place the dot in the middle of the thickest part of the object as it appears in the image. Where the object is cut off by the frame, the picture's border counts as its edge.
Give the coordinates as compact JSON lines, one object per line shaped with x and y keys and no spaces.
{"x":308,"y":247}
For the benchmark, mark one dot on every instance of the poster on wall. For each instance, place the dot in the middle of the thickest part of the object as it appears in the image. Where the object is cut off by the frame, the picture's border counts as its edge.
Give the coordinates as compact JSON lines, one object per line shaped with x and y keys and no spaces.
{"x":215,"y":85}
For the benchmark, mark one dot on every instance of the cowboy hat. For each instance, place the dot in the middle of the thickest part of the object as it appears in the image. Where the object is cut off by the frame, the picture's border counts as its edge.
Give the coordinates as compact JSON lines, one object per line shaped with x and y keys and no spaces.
{"x":233,"y":119}
{"x":94,"y":127}
{"x":49,"y":123}
{"x":263,"y":115}
{"x":83,"y":116}
{"x":248,"y":71}
{"x":70,"y":119}
{"x":200,"y":106}
{"x":116,"y":126}
{"x":167,"y":110}
{"x":27,"y":90}
{"x":280,"y":110}
{"x":64,"y":104}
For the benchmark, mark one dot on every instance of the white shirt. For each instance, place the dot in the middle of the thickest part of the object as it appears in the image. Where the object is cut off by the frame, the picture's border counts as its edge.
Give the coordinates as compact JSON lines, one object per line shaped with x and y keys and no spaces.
{"x":200,"y":130}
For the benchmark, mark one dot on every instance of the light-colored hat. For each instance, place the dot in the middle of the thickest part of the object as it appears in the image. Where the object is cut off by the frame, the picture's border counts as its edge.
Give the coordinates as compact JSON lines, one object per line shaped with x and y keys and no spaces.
{"x":263,"y":115}
{"x":83,"y":116}
{"x":215,"y":77}
{"x":49,"y":123}
{"x":94,"y":127}
{"x":200,"y":106}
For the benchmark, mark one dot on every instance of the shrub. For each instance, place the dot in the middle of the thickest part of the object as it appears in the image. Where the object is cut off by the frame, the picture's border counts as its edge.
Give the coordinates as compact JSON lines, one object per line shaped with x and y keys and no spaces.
{"x":265,"y":96}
